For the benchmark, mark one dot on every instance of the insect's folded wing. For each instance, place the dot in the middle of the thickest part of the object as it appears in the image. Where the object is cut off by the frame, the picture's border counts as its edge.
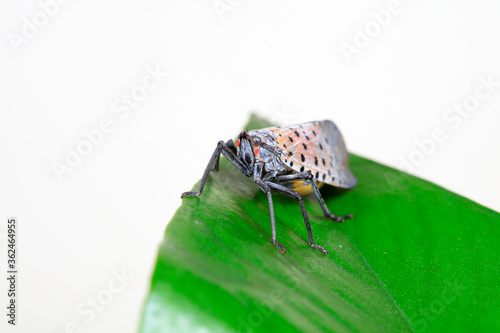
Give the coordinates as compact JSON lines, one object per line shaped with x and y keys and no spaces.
{"x":319,"y":147}
{"x":339,"y":154}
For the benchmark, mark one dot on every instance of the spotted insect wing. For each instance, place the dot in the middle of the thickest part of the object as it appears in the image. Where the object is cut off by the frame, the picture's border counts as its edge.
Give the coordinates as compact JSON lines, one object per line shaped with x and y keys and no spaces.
{"x":316,"y":146}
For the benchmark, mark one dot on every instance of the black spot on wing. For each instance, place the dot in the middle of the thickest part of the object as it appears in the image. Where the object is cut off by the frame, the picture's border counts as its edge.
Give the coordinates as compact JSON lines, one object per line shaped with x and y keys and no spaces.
{"x":320,"y":146}
{"x":304,"y":145}
{"x":316,"y":160}
{"x":307,"y":138}
{"x":323,"y":160}
{"x":302,"y":169}
{"x":291,"y":163}
{"x":316,"y":175}
{"x":297,"y":134}
{"x":314,"y":133}
{"x":289,"y":138}
{"x":324,"y":176}
{"x":302,"y":158}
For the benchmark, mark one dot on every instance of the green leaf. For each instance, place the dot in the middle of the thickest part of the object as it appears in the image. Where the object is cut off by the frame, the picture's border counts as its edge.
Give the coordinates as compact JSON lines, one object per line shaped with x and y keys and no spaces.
{"x":416,"y":257}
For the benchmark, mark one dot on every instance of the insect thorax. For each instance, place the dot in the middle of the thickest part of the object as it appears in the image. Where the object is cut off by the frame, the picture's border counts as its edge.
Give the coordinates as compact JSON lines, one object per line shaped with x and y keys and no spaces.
{"x":266,"y":151}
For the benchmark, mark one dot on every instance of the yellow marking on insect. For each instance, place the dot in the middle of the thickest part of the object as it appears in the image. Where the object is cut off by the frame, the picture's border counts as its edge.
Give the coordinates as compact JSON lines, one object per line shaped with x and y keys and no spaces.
{"x":304,"y":187}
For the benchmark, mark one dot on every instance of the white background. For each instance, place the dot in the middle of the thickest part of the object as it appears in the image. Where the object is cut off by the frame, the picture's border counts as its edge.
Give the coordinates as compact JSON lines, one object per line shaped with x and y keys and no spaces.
{"x":280,"y":58}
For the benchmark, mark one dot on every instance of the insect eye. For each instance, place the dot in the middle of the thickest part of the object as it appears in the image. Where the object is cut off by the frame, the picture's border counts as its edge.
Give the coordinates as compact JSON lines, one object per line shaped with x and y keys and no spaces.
{"x":257,"y":141}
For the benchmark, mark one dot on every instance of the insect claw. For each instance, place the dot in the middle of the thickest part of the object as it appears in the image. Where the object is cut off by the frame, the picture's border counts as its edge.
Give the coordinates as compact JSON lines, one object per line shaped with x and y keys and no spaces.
{"x":319,"y":247}
{"x":339,"y":219}
{"x":190,"y":194}
{"x":283,"y":250}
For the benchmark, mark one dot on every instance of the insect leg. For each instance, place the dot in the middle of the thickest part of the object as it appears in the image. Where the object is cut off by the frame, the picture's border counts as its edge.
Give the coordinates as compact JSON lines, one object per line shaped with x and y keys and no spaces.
{"x":297,"y":196}
{"x":260,"y":184}
{"x":223,"y":148}
{"x":231,"y":146}
{"x":307,"y":175}
{"x":325,"y":209}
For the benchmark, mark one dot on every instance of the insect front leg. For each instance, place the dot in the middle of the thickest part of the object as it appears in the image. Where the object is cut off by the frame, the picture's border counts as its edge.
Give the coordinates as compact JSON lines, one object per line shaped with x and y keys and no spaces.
{"x":308,"y":176}
{"x":224,"y":149}
{"x":297,"y":196}
{"x":231,"y":146}
{"x":260,"y":184}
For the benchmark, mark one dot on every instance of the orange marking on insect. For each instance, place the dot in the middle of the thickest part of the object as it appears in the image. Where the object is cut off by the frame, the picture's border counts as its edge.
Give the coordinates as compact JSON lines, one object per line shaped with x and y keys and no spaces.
{"x":256,"y":151}
{"x":237,"y":143}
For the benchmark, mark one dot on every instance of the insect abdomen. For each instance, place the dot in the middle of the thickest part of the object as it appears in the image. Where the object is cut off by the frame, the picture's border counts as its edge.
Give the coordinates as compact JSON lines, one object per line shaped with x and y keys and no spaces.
{"x":303,"y":187}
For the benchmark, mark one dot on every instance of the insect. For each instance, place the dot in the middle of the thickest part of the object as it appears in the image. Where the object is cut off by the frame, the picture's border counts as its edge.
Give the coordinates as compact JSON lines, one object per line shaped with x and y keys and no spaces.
{"x":294,"y":160}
